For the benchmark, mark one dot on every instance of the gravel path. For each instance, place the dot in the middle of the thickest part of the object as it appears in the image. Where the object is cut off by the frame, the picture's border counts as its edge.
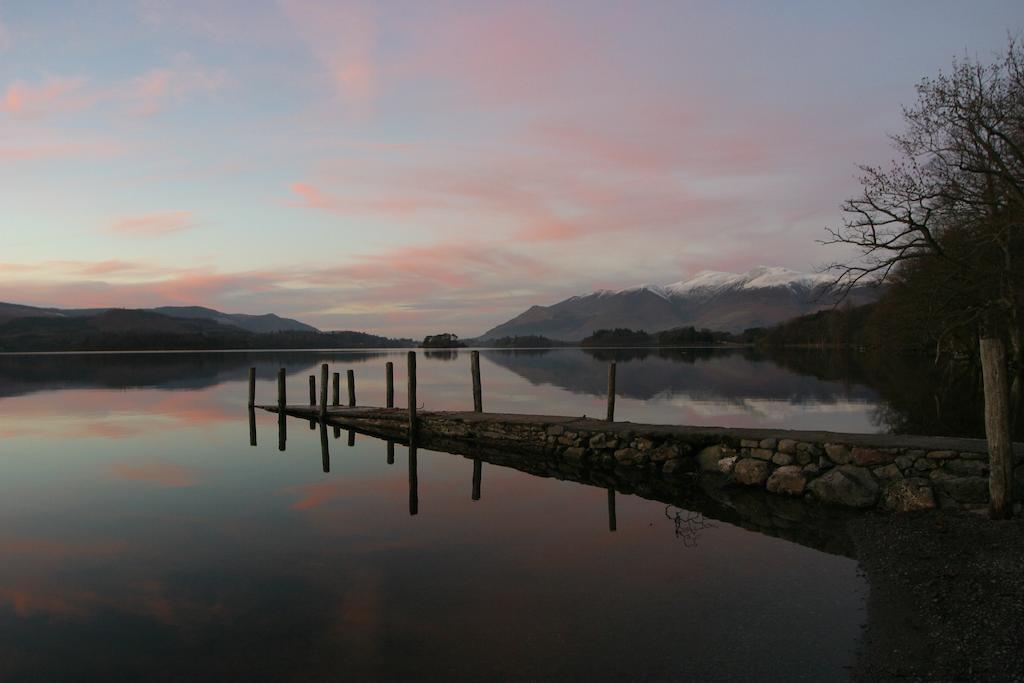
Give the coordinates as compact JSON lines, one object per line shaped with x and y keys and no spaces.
{"x":947,"y":597}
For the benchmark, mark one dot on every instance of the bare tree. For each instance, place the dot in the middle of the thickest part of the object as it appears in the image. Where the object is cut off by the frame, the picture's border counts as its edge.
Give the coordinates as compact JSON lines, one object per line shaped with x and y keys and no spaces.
{"x":952,"y":205}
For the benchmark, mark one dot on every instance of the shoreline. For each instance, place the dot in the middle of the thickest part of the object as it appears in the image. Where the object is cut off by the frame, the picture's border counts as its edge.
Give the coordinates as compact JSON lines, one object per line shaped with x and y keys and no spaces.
{"x":946,"y":597}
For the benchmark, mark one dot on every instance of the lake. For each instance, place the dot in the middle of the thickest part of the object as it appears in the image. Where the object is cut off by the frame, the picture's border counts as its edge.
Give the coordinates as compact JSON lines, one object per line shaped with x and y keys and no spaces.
{"x":143,"y":537}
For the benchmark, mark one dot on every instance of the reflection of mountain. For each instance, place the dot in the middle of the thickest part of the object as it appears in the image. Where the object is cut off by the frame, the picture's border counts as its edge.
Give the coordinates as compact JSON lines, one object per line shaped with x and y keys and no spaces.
{"x":24,"y":374}
{"x":702,"y":374}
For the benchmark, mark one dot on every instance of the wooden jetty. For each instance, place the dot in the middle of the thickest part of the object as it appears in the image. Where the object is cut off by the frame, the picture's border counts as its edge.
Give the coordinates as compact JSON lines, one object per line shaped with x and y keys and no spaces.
{"x":861,"y":471}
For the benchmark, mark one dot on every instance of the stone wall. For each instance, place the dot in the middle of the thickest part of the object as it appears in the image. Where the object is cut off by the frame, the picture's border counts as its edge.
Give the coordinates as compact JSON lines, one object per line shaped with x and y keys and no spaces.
{"x":893,"y":473}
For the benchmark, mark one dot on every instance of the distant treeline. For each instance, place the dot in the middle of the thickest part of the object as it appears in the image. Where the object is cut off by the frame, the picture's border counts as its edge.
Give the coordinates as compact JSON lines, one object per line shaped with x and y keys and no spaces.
{"x":531,"y":341}
{"x":680,"y":336}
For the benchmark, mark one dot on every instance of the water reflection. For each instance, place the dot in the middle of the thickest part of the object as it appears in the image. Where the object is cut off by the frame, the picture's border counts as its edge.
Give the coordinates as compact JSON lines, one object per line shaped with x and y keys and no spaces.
{"x":142,"y":534}
{"x":414,"y":489}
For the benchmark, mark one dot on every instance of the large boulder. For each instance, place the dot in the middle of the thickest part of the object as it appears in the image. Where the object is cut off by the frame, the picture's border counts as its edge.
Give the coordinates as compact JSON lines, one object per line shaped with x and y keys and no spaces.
{"x":905,"y":495}
{"x":708,"y":458}
{"x":846,"y":485}
{"x":750,"y":472}
{"x":788,"y":479}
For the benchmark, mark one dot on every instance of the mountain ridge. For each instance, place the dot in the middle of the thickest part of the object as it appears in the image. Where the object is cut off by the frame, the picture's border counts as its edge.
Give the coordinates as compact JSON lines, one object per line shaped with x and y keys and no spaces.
{"x":267,"y":322}
{"x":722,"y":301}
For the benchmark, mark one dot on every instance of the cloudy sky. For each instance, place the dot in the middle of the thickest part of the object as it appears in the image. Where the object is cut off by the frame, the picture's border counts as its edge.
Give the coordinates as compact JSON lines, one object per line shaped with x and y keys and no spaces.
{"x":426,"y":166}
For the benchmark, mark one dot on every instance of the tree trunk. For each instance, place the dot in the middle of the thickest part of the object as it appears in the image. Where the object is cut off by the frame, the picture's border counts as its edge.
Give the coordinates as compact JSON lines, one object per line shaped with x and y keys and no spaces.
{"x":994,"y":373}
{"x":1017,"y":363}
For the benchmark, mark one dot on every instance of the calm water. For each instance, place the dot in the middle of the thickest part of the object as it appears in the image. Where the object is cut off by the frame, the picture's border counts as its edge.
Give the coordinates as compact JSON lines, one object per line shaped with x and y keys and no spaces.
{"x":143,"y":536}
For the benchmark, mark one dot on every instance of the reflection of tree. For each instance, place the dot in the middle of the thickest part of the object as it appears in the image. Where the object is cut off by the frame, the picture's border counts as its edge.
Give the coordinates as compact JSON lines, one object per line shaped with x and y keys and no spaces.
{"x":688,"y":524}
{"x":918,"y":396}
{"x":441,"y":354}
{"x":733,"y":375}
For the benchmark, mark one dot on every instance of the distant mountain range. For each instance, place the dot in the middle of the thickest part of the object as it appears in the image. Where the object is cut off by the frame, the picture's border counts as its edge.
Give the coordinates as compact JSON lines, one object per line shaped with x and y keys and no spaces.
{"x":26,"y":328}
{"x":730,"y":302}
{"x":251,"y":323}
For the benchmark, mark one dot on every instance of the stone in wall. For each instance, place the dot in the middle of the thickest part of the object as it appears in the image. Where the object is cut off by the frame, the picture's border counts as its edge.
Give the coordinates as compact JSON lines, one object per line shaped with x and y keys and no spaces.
{"x":750,"y":472}
{"x":905,"y":495}
{"x":838,"y":453}
{"x":708,"y":458}
{"x":788,"y":479}
{"x":846,"y":485}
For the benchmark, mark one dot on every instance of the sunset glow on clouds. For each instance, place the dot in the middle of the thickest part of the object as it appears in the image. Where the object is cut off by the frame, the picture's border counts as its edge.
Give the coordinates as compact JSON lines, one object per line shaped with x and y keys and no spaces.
{"x":409,"y":168}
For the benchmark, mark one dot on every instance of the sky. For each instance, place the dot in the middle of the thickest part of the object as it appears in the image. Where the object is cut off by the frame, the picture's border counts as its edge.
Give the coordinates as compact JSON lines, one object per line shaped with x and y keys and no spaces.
{"x":409,"y":168}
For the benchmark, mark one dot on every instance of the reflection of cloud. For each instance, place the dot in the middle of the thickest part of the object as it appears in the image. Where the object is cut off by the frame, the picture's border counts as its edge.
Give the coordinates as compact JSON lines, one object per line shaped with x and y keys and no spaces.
{"x":162,"y":473}
{"x":780,"y":410}
{"x":58,"y":549}
{"x":318,"y":495}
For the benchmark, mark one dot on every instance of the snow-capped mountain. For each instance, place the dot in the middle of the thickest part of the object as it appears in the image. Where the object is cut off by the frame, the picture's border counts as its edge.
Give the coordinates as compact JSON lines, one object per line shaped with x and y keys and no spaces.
{"x":720,"y":301}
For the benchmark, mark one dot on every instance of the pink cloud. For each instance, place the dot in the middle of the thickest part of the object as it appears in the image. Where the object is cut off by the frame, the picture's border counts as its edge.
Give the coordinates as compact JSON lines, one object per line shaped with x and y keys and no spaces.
{"x":6,"y":41}
{"x":51,"y":97}
{"x":57,"y":149}
{"x":313,"y":198}
{"x":506,"y":54}
{"x":343,"y":38}
{"x":151,"y":224}
{"x":152,"y":92}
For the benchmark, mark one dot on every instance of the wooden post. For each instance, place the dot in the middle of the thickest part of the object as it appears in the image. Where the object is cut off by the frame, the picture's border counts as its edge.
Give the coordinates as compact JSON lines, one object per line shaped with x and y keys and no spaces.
{"x":323,"y":391}
{"x":391,"y":452}
{"x":252,"y":387}
{"x":282,"y":431}
{"x":997,"y":428}
{"x":414,"y":494}
{"x":611,"y":510}
{"x":337,"y":432}
{"x":281,"y":399}
{"x":252,"y":426}
{"x":611,"y":392}
{"x":352,"y":388}
{"x":412,"y":397}
{"x":336,"y":389}
{"x":325,"y":455}
{"x":351,"y":438}
{"x":478,"y":400}
{"x":477,"y":467}
{"x":389,"y":373}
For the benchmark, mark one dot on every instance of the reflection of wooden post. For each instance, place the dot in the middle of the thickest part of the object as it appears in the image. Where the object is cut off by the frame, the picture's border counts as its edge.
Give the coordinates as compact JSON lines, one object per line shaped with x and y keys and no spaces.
{"x":323,"y":391}
{"x":312,"y":390}
{"x":325,"y":455}
{"x":477,"y":467}
{"x":282,"y":431}
{"x":414,"y":494}
{"x":478,"y":400}
{"x":611,"y":510}
{"x":281,"y":402}
{"x":391,"y":452}
{"x":280,"y":391}
{"x":351,"y":438}
{"x":352,"y":388}
{"x":412,"y":396}
{"x":389,"y":373}
{"x":252,"y":426}
{"x":336,"y":389}
{"x":252,"y":387}
{"x":611,"y":392}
